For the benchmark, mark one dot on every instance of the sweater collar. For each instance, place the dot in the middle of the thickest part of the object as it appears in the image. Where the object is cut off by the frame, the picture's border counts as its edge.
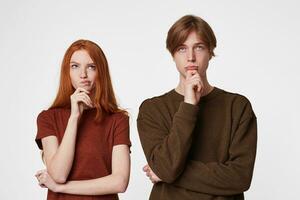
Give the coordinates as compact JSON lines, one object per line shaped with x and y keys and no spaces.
{"x":215,"y":92}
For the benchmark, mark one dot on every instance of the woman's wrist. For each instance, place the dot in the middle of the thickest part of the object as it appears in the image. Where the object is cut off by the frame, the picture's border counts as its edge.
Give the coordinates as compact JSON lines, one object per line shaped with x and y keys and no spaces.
{"x":74,"y":118}
{"x":59,"y":188}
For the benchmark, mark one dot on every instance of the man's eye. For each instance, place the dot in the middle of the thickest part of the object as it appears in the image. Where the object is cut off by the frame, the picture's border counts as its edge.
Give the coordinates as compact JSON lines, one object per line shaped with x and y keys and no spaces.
{"x":181,"y":49}
{"x":198,"y":48}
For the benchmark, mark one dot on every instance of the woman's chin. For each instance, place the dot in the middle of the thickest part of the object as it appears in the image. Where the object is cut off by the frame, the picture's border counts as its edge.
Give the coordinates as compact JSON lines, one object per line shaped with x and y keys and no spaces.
{"x":86,"y":87}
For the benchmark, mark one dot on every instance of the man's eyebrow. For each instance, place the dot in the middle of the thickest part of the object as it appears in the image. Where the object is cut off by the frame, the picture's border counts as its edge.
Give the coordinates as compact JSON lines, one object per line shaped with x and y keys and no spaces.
{"x":181,"y":45}
{"x":202,"y":43}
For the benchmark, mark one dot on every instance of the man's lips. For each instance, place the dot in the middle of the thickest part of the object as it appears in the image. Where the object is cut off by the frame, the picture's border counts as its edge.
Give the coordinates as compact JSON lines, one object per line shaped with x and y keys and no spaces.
{"x":191,"y":67}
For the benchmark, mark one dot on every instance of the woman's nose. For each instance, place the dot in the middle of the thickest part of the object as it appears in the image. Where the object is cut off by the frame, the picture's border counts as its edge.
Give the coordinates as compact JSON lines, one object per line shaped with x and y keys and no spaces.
{"x":83,"y":74}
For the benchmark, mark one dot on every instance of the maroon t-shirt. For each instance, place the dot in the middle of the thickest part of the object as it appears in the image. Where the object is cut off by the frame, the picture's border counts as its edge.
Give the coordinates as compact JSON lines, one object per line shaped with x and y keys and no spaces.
{"x":94,"y":144}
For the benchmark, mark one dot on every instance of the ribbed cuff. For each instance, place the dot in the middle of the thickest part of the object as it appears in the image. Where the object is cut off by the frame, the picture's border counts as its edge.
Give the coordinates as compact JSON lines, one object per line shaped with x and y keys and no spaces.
{"x":188,"y":111}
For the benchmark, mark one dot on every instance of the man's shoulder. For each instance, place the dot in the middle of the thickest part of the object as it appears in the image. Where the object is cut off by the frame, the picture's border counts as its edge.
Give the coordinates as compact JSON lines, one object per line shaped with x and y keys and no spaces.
{"x":236,"y":98}
{"x":156,"y":101}
{"x":239,"y":102}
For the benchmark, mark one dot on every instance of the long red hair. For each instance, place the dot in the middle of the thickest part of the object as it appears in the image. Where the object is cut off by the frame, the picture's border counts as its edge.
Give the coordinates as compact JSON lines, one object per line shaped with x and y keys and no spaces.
{"x":104,"y":98}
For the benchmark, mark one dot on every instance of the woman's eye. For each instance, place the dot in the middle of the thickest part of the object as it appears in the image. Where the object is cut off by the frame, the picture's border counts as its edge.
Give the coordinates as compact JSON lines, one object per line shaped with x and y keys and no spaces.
{"x":93,"y":67}
{"x":74,"y":66}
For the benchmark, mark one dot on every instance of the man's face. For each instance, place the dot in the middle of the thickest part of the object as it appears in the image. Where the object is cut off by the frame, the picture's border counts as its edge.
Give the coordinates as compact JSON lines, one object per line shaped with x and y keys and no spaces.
{"x":192,"y":55}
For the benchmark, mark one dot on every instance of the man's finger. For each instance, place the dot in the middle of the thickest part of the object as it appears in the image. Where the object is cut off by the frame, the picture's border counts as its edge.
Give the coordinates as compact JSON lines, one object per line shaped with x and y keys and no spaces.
{"x":145,"y":168}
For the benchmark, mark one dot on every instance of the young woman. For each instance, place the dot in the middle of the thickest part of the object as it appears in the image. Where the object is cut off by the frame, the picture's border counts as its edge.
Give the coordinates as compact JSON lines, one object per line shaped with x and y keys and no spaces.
{"x":84,"y":135}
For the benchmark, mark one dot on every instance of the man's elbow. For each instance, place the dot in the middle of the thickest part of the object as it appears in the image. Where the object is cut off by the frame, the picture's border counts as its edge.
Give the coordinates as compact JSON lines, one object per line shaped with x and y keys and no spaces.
{"x":169,"y":176}
{"x":245,"y":185}
{"x":242,"y":185}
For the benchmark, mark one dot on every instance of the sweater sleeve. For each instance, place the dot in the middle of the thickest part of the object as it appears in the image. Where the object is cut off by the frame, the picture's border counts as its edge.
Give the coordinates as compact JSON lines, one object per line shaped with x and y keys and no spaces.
{"x":166,"y":149}
{"x":228,"y":178}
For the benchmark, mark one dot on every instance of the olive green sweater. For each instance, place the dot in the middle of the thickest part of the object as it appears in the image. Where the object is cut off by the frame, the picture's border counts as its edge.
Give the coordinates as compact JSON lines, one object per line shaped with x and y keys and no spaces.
{"x":204,"y":151}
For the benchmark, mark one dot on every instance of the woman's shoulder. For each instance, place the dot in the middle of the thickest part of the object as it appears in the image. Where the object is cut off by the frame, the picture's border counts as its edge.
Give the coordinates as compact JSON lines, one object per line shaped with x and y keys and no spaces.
{"x":52,"y":112}
{"x":119,"y":116}
{"x":117,"y":119}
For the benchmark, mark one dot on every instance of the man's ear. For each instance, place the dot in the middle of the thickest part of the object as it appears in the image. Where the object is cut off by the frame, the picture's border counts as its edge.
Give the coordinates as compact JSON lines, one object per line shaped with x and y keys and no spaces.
{"x":210,"y":55}
{"x":173,"y":57}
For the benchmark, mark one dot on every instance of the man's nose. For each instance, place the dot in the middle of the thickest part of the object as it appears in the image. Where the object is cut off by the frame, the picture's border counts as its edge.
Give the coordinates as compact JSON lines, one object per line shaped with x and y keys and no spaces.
{"x":191,"y":56}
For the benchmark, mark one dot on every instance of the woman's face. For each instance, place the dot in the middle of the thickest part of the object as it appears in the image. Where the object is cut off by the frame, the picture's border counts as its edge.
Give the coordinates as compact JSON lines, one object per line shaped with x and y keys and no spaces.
{"x":82,"y":70}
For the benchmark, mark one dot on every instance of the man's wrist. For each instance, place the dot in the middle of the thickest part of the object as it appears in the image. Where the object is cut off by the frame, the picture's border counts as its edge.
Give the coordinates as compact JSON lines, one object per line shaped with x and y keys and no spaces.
{"x":189,"y":101}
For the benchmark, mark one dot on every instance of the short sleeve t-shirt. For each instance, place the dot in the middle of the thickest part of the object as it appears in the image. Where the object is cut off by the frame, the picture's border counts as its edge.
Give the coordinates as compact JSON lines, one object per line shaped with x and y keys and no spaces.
{"x":94,"y":144}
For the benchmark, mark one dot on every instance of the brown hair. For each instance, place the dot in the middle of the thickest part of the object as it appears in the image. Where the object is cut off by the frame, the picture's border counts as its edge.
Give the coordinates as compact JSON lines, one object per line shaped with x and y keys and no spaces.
{"x":180,"y":30}
{"x":104,"y":98}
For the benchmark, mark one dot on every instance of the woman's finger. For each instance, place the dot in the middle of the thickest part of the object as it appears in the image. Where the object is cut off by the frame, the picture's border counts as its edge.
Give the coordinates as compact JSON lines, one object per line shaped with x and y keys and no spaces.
{"x":79,"y":90}
{"x":85,"y":101}
{"x":38,"y":173}
{"x":85,"y":96}
{"x":82,"y":96}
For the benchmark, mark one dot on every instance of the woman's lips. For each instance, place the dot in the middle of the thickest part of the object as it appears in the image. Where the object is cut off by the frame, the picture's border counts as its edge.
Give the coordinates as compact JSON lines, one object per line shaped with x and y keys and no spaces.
{"x":85,"y":83}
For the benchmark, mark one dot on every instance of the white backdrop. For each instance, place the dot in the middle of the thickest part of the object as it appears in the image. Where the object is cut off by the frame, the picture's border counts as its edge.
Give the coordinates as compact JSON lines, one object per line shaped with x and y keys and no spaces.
{"x":257,"y":55}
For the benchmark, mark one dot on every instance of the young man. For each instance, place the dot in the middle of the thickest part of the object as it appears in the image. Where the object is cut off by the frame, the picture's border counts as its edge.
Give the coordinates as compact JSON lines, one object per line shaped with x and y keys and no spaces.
{"x":199,"y":140}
